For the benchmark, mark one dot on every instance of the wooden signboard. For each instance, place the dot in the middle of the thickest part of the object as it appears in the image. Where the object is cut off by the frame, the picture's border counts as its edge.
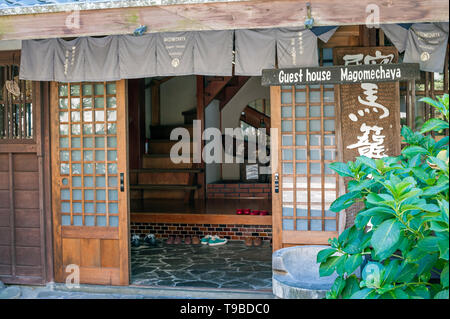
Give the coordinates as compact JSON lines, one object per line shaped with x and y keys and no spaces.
{"x":370,"y":111}
{"x":357,"y":73}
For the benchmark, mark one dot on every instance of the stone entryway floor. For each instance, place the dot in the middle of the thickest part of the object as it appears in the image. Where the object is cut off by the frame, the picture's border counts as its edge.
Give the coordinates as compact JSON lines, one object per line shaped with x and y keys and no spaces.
{"x":232,"y":265}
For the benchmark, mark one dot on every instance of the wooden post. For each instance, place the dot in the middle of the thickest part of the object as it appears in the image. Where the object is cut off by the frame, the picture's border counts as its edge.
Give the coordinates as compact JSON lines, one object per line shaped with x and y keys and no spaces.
{"x":156,"y":114}
{"x":201,"y":116}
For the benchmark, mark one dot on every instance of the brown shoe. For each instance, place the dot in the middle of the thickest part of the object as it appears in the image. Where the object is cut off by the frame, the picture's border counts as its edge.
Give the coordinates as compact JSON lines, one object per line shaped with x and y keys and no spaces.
{"x":188,"y":240}
{"x":257,"y":242}
{"x":195,"y":240}
{"x":248,"y":241}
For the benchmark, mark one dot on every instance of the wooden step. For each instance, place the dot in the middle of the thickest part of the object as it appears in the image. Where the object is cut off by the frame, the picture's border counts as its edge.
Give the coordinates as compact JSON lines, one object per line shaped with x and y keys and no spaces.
{"x":165,"y":187}
{"x":162,"y":132}
{"x":163,"y":191}
{"x":163,"y":161}
{"x":189,"y":116}
{"x":158,"y":194}
{"x":158,"y":178}
{"x":163,"y":146}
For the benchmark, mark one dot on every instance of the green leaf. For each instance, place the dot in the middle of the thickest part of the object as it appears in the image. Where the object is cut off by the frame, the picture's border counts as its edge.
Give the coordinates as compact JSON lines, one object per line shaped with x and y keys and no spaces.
{"x":399,"y":294}
{"x":341,"y":264}
{"x":438,"y":226}
{"x":415,"y":254}
{"x":429,"y":244}
{"x":367,"y":161}
{"x":341,"y":168}
{"x":443,"y":248}
{"x":407,"y":272}
{"x":431,"y":102}
{"x":434,"y":124}
{"x":351,"y":287}
{"x":363,"y":217}
{"x":442,"y":294}
{"x":344,"y":201}
{"x":386,"y":238}
{"x":328,"y":267}
{"x":418,"y":292}
{"x":420,"y":173}
{"x":338,"y":286}
{"x":444,"y":277}
{"x":440,"y":163}
{"x":324,"y":254}
{"x":352,"y":262}
{"x":363,"y":294}
{"x":426,"y":263}
{"x":411,"y":151}
{"x":390,"y":272}
{"x":434,"y":190}
{"x":442,"y":143}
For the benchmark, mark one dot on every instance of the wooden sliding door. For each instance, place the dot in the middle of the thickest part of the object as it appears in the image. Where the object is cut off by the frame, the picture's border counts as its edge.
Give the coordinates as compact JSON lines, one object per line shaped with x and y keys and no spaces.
{"x":306,"y":120}
{"x":23,"y":205}
{"x":89,"y":182}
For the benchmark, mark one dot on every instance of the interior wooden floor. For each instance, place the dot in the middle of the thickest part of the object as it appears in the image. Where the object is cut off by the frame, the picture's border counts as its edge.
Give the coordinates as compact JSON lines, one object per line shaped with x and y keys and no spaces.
{"x":210,"y":211}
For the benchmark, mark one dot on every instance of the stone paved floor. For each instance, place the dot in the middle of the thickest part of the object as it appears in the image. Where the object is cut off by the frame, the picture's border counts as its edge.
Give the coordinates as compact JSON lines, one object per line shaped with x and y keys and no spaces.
{"x":232,"y":265}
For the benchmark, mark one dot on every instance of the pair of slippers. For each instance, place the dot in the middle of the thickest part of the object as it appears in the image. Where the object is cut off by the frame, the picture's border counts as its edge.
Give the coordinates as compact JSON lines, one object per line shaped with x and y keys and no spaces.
{"x":188,"y":240}
{"x":249,"y":241}
{"x":251,"y":212}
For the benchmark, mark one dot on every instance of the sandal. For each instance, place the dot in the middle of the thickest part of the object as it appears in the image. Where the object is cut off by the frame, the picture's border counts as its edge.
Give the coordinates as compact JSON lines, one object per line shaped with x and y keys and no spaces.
{"x":170,"y":241}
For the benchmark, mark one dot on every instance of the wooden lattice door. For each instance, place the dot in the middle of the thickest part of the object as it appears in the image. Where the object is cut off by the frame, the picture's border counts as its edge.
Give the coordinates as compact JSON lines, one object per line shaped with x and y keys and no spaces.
{"x":306,"y":120}
{"x":89,"y":182}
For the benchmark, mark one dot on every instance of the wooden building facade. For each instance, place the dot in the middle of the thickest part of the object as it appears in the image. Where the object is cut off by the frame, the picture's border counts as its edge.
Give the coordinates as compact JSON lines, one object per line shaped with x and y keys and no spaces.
{"x":73,"y":157}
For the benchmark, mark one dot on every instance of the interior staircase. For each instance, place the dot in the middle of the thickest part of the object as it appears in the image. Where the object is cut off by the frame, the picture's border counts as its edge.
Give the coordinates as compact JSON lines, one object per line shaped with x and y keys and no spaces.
{"x":159,"y":177}
{"x":223,"y":88}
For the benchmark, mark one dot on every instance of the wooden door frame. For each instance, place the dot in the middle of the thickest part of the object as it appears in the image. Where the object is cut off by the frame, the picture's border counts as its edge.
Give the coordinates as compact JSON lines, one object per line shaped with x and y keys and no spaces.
{"x":275,"y":118}
{"x":122,"y":167}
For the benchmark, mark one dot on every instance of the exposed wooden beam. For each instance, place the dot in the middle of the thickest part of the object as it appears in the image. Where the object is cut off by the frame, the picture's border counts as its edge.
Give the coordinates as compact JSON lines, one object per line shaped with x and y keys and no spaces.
{"x":219,"y":16}
{"x":253,"y":117}
{"x":156,"y":107}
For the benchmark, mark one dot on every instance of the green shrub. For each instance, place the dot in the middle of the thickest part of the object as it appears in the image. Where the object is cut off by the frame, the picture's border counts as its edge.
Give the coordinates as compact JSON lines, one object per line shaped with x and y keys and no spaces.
{"x":406,"y":201}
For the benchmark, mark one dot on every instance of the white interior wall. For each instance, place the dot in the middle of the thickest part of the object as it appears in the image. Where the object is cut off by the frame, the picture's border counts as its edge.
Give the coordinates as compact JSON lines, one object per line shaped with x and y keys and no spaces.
{"x":231,"y":113}
{"x":176,"y":96}
{"x":212,"y":119}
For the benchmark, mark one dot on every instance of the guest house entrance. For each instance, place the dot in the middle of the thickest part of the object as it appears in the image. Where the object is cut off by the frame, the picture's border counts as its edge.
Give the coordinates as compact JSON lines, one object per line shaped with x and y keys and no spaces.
{"x":85,"y":136}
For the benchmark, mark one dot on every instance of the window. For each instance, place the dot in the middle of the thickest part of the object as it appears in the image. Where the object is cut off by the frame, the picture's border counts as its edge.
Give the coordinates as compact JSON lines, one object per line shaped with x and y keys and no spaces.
{"x":16,"y":107}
